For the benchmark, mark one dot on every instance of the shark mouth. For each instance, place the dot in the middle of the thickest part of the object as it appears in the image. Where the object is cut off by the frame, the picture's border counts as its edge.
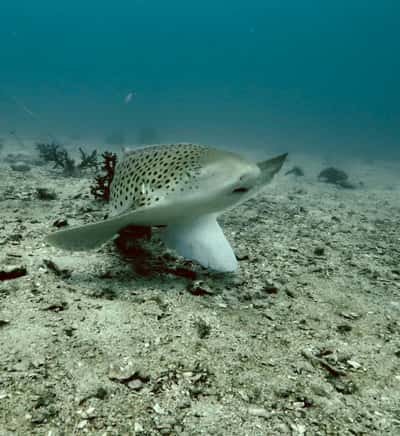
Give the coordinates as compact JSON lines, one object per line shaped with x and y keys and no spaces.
{"x":241,"y":190}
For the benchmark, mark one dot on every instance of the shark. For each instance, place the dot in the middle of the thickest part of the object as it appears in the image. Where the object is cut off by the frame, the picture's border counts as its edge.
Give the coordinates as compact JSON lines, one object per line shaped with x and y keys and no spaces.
{"x":183,"y":189}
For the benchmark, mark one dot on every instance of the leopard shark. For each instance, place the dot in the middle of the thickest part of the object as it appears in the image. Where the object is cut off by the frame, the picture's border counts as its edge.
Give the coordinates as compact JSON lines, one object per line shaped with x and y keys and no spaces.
{"x":183,"y":189}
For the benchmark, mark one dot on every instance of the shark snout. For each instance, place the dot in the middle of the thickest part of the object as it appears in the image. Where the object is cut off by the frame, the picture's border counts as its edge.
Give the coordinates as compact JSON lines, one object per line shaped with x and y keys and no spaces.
{"x":249,"y":178}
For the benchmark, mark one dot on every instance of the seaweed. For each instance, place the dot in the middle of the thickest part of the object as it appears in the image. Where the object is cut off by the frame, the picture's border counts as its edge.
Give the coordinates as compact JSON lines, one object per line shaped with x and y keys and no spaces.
{"x":101,"y":186}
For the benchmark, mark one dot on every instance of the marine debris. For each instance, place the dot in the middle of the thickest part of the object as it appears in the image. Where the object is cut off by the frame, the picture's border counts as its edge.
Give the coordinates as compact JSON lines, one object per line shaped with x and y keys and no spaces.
{"x":12,"y":272}
{"x":101,"y":187}
{"x":336,"y":177}
{"x":333,"y":371}
{"x":296,"y":171}
{"x":53,"y":152}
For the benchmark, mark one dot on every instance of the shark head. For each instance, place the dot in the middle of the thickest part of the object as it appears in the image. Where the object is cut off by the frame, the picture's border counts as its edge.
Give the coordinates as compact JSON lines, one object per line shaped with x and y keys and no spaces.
{"x":183,"y":187}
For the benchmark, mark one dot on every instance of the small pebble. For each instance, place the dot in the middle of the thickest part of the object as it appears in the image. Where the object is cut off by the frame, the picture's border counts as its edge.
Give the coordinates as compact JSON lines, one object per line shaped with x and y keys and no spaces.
{"x":270,"y":289}
{"x":60,"y":223}
{"x":46,"y":194}
{"x":259,"y":411}
{"x":344,"y":328}
{"x":354,"y":364}
{"x":203,"y":328}
{"x":81,"y":424}
{"x":158,"y":409}
{"x":138,"y":427}
{"x":122,"y":371}
{"x":199,"y":288}
{"x":319,"y":251}
{"x":126,"y":372}
{"x":20,"y":167}
{"x":135,"y":384}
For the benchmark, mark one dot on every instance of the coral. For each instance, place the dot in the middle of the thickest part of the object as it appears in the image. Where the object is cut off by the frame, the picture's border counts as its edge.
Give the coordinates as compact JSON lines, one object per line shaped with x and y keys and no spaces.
{"x":101,"y":187}
{"x":332,"y":175}
{"x":336,"y":177}
{"x":65,"y":162}
{"x":88,"y":160}
{"x":54,"y":152}
{"x":296,"y":171}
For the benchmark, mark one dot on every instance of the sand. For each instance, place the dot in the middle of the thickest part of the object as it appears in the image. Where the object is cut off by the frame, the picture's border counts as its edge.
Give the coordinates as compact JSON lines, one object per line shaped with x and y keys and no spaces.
{"x":303,"y":340}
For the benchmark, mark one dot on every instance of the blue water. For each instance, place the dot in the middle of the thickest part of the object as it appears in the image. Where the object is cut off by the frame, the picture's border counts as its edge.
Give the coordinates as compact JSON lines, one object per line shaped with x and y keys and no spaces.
{"x":287,"y":75}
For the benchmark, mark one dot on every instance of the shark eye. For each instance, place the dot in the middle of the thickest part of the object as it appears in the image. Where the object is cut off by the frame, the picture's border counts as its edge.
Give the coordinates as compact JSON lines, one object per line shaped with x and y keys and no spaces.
{"x":240,"y":190}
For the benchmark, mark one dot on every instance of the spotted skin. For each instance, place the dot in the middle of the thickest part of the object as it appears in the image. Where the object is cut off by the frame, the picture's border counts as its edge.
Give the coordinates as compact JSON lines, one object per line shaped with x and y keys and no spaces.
{"x":149,"y":175}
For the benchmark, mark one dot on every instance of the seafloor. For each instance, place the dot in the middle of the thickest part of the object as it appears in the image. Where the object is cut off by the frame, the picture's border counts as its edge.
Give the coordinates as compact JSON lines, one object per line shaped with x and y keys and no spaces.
{"x":303,"y":340}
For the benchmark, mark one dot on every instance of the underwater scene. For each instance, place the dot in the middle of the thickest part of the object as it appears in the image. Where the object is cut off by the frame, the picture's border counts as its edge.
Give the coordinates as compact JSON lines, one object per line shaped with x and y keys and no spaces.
{"x":199,"y":217}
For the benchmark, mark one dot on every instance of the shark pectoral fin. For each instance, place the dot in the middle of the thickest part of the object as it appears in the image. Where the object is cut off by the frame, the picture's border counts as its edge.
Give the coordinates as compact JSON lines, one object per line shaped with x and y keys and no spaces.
{"x":270,"y":167}
{"x":85,"y":237}
{"x":203,"y":240}
{"x":90,"y":236}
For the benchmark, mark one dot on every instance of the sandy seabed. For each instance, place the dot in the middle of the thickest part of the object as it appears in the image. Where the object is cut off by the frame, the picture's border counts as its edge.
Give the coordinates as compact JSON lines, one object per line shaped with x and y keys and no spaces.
{"x":303,"y":340}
